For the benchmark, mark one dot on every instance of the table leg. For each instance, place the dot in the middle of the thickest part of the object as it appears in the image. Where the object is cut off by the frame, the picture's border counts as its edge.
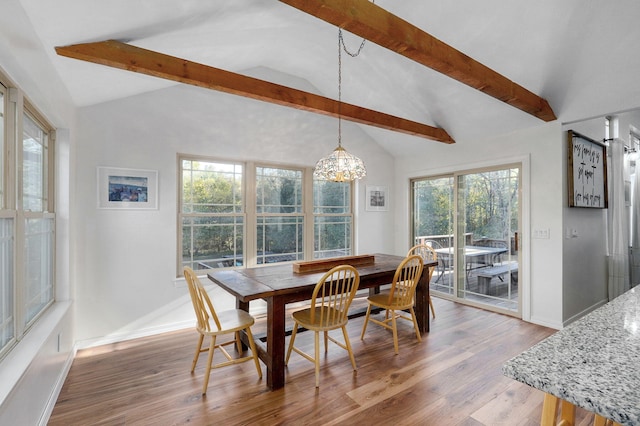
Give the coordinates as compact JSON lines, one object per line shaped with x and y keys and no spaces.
{"x":422,"y":301}
{"x":275,"y":342}
{"x":245,"y":307}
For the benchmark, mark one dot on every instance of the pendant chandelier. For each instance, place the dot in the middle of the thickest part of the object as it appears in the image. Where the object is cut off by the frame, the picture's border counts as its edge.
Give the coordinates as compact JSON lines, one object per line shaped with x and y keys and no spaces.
{"x":340,"y":166}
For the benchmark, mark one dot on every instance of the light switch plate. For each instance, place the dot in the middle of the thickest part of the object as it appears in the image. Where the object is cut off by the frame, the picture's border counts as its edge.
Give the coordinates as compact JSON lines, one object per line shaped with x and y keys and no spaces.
{"x":541,"y":233}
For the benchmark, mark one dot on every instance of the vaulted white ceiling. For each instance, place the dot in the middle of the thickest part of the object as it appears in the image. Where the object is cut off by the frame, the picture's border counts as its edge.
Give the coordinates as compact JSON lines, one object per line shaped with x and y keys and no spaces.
{"x":579,"y":55}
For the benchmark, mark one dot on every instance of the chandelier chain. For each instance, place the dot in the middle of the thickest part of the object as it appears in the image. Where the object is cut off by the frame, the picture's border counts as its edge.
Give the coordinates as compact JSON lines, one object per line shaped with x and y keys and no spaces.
{"x":339,"y":87}
{"x":342,"y":46}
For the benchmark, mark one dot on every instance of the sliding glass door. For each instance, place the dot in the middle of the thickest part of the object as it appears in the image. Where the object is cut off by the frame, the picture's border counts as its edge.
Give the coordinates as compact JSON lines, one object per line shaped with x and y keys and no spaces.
{"x":433,"y":207}
{"x":472,"y":219}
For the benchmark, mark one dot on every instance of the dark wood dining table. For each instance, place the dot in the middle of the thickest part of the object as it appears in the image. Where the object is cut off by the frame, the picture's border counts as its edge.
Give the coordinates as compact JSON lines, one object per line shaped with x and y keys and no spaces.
{"x":279,"y":285}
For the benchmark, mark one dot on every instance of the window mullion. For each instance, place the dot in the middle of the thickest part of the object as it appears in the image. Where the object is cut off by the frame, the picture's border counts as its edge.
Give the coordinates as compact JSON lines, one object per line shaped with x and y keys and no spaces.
{"x":19,"y":273}
{"x":251,"y":221}
{"x":309,"y":220}
{"x":13,"y":122}
{"x":50,"y":187}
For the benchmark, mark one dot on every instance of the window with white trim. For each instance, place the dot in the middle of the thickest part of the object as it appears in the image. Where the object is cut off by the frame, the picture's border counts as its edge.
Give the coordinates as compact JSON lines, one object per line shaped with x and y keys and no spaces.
{"x":333,"y":219}
{"x":27,"y":219}
{"x":279,"y":215}
{"x":211,"y":214}
{"x":237,"y":214}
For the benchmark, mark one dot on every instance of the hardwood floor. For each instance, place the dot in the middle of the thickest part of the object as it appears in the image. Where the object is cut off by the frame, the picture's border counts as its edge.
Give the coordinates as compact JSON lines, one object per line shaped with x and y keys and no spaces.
{"x":452,"y":378}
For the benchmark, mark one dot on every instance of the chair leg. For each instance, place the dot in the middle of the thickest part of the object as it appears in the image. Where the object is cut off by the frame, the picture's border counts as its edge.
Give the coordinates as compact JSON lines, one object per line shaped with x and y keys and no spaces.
{"x":395,"y":330}
{"x":252,"y":346}
{"x":415,"y":324}
{"x":366,"y":321}
{"x":198,"y":350}
{"x":238,"y":342}
{"x":317,"y":356}
{"x":433,"y":311}
{"x":348,"y":345}
{"x":209,"y":362}
{"x":326,"y":341}
{"x":293,"y":338}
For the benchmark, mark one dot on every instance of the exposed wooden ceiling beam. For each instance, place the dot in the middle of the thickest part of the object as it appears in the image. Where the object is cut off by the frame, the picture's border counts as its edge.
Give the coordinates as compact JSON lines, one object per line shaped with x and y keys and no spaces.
{"x":365,"y":19}
{"x":131,"y":58}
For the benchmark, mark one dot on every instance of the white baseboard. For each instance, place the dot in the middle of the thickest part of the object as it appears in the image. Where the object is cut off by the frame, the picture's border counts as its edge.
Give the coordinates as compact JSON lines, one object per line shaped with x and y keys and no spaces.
{"x":134,"y":334}
{"x":55,"y":393}
{"x":545,"y":323}
{"x":584,"y":312}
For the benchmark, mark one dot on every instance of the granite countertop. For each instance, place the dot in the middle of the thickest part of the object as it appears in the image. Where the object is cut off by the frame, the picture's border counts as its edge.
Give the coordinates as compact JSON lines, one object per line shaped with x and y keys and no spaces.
{"x":593,"y":363}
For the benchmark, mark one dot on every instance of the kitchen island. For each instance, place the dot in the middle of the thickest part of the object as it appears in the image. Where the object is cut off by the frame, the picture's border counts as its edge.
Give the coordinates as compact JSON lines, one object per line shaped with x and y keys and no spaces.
{"x":593,"y":363}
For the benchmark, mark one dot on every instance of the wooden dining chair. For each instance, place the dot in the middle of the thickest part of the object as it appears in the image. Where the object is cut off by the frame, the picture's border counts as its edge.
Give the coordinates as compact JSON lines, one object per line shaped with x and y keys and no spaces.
{"x":330,"y":303}
{"x":397,"y":299}
{"x":427,"y":253}
{"x":212,"y":324}
{"x":445,"y":263}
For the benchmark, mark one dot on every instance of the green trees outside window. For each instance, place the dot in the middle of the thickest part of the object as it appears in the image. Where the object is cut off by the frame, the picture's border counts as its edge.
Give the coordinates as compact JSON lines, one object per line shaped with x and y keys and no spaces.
{"x":488,"y":203}
{"x":212,"y":209}
{"x":221,"y":227}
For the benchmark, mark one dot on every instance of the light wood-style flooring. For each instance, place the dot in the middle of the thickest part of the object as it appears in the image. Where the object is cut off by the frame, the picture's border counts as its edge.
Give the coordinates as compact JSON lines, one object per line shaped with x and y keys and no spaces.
{"x":452,"y":378}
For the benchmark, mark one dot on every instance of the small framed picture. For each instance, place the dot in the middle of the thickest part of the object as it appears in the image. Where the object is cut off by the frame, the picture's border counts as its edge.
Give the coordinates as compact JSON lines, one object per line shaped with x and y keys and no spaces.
{"x":127,"y":188}
{"x":377,"y":198}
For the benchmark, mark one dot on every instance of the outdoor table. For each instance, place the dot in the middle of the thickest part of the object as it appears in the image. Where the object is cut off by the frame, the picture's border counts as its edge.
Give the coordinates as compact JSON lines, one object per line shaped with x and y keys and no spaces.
{"x":473,"y":254}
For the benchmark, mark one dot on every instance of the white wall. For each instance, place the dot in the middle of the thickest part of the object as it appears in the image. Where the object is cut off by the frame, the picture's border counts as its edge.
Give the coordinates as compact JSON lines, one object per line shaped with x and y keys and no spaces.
{"x":585,"y":275}
{"x":126,"y":265}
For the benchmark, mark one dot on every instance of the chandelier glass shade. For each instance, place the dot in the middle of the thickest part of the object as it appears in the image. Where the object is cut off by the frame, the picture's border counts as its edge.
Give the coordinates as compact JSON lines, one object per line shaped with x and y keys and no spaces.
{"x":340,"y":166}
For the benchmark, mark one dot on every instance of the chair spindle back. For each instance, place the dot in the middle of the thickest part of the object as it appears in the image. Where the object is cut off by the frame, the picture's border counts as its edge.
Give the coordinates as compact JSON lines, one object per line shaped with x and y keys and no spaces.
{"x":333,"y":295}
{"x":426,"y":252}
{"x":201,"y":302}
{"x":405,"y":280}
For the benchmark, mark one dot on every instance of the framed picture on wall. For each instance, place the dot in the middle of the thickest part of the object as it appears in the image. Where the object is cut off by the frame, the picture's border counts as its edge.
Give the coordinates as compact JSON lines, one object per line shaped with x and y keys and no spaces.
{"x":127,"y":188}
{"x":587,"y":172}
{"x":377,"y":198}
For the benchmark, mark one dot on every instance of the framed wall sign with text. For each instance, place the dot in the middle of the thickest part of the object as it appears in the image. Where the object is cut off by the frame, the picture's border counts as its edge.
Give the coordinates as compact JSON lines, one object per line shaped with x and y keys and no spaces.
{"x":587,"y":172}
